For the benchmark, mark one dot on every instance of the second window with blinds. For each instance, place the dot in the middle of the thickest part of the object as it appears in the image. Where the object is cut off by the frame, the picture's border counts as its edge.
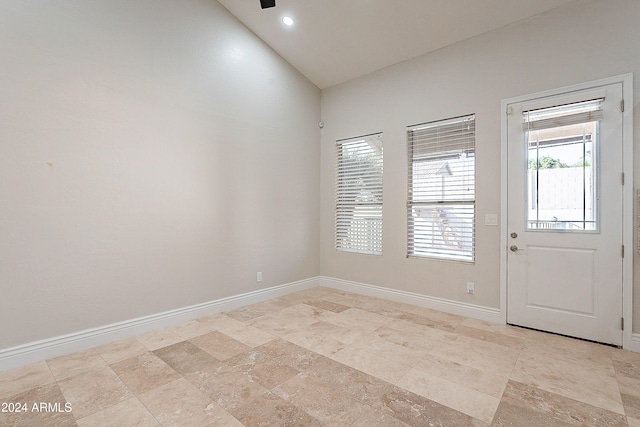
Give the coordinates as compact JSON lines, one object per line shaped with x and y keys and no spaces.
{"x":359,"y":194}
{"x":441,"y":189}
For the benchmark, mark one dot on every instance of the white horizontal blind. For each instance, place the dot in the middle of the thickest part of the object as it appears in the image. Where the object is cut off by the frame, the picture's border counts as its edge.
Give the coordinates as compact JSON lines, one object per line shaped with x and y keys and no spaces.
{"x":441,"y":189}
{"x":359,"y":194}
{"x":563,"y":115}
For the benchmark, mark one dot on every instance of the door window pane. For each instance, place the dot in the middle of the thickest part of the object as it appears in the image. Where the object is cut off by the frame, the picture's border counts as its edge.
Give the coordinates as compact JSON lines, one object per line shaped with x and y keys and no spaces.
{"x":561,"y":174}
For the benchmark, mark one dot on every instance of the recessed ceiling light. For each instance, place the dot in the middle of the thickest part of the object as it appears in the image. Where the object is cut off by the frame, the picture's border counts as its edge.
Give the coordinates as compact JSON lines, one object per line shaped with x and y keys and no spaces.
{"x":287,"y":20}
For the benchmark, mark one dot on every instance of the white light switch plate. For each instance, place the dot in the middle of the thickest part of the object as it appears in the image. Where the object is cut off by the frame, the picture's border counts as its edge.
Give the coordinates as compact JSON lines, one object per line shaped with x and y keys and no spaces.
{"x":491,"y":219}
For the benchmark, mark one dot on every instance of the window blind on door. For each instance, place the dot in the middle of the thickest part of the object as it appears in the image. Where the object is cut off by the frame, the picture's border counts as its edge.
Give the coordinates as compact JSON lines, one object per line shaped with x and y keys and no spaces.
{"x":441,"y":189}
{"x":563,"y":115}
{"x":359,"y":179}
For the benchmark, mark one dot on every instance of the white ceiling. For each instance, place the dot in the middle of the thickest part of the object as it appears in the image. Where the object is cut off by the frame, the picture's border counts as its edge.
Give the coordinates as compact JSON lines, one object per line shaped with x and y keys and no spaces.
{"x":333,"y":41}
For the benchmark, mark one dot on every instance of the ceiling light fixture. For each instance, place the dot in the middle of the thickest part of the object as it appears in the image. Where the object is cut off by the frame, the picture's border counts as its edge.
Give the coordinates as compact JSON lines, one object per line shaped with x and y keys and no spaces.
{"x":288,"y":21}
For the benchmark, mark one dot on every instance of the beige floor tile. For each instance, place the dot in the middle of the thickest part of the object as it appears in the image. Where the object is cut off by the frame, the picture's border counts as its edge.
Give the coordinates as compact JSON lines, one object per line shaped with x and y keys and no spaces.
{"x":418,"y":411}
{"x":395,"y":306}
{"x":327,"y":305}
{"x":355,"y":383}
{"x":279,"y":325}
{"x":246,"y":334}
{"x":219,"y":345}
{"x":625,"y":356}
{"x":630,"y":386}
{"x":267,"y":366}
{"x":492,"y":337}
{"x":513,"y":331}
{"x":439,"y":316}
{"x":229,"y":386}
{"x":628,"y":377}
{"x":375,"y":344}
{"x":427,"y":322}
{"x":193,"y":328}
{"x":338,"y":333}
{"x":254,"y":311}
{"x":94,"y":390}
{"x":287,"y":353}
{"x":40,"y":406}
{"x":384,"y":419}
{"x":627,"y":369}
{"x":388,"y":309}
{"x":271,"y":410}
{"x":290,"y":319}
{"x":371,"y":364}
{"x":466,"y":400}
{"x":389,"y":404}
{"x":221,"y":321}
{"x":633,"y":422}
{"x":187,"y":358}
{"x":75,"y":363}
{"x":314,"y":341}
{"x":130,"y":412}
{"x":631,"y":405}
{"x":192,"y":408}
{"x":363,"y":316}
{"x":528,"y":406}
{"x":594,"y":385}
{"x":145,"y":372}
{"x":357,"y":326}
{"x":415,"y":338}
{"x":121,"y":350}
{"x":471,"y":353}
{"x":158,"y":339}
{"x":320,"y":401}
{"x":467,"y":376}
{"x":344,"y":298}
{"x":335,"y":359}
{"x":568,"y":349}
{"x":495,"y":351}
{"x":24,"y":378}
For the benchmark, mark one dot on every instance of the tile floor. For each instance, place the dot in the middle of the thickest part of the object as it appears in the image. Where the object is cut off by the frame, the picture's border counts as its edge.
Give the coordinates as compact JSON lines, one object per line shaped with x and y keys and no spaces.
{"x":323,"y":357}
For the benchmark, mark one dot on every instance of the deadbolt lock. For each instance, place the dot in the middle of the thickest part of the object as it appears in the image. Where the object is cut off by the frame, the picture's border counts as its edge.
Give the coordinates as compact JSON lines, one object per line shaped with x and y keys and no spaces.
{"x":514,"y":235}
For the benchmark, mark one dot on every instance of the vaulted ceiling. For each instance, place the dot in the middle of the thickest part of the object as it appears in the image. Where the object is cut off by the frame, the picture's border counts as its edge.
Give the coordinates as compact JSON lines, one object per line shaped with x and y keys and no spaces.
{"x":332,"y":41}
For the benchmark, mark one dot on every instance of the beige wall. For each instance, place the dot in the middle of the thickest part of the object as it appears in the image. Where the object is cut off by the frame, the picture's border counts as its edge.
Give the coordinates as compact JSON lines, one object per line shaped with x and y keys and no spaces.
{"x":584,"y":41}
{"x":154,"y":154}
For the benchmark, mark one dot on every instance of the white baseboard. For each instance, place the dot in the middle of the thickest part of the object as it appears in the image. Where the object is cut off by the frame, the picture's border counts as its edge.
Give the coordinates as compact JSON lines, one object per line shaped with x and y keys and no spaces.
{"x":454,"y":307}
{"x":36,"y":351}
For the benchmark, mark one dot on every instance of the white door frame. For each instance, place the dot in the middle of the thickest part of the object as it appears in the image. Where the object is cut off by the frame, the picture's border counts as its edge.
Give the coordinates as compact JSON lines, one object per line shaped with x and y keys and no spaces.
{"x":628,"y":340}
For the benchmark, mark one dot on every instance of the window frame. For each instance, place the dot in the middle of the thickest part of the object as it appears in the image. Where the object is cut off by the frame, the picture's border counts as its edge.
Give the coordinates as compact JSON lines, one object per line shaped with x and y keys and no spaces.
{"x":459,"y":224}
{"x":357,"y":181}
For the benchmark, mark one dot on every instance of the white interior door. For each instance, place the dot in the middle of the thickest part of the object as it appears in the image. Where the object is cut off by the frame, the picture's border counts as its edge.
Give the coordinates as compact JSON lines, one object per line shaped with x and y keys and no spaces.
{"x":564,"y":263}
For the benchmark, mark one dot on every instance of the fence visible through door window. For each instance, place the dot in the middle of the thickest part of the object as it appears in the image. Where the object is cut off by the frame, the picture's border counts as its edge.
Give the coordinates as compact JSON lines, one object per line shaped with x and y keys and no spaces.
{"x":441,"y":189}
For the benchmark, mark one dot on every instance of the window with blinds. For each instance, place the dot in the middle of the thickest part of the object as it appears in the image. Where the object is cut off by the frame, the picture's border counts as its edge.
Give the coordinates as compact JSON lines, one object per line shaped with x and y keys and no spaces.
{"x":441,"y":189}
{"x":562,"y":147}
{"x":359,"y":194}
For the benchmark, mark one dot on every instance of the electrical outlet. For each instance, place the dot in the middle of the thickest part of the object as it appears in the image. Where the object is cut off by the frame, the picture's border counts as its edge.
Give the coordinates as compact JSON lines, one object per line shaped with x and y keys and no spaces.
{"x":259,"y":276}
{"x":471,"y":288}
